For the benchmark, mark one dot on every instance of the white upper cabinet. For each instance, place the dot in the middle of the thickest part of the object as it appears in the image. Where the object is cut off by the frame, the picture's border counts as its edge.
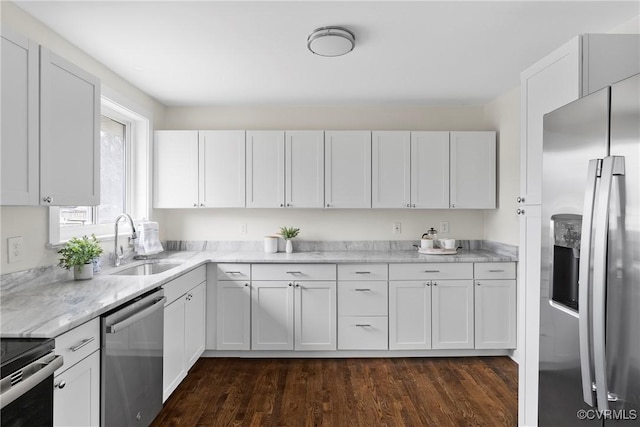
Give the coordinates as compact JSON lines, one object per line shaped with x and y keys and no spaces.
{"x":304,"y":171}
{"x":50,"y":128}
{"x":69,"y":133}
{"x":347,"y":169}
{"x":391,"y":171}
{"x":430,"y":170}
{"x":265,"y":169}
{"x":176,"y":169}
{"x":19,"y":132}
{"x":473,"y":170}
{"x":199,"y":169}
{"x":222,"y":168}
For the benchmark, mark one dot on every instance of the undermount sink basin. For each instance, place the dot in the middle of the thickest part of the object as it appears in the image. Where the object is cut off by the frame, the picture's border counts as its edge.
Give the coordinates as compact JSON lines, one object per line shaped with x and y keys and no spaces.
{"x":147,"y":269}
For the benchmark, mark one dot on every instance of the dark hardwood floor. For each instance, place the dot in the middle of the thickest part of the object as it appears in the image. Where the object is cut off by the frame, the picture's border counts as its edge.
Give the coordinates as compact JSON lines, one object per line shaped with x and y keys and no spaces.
{"x":470,"y":391}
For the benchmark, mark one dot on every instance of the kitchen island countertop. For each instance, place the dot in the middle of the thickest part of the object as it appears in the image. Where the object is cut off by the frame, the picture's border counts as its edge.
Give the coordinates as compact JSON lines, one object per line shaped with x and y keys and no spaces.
{"x":46,"y":311}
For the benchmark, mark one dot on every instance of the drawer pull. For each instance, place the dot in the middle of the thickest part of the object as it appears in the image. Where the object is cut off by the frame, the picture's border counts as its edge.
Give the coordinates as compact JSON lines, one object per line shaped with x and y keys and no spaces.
{"x":61,"y":384}
{"x":432,"y":271}
{"x":363,"y":272}
{"x":82,"y":343}
{"x":294,"y":272}
{"x":496,"y":271}
{"x":363,"y":325}
{"x":363,"y":290}
{"x":233,"y":272}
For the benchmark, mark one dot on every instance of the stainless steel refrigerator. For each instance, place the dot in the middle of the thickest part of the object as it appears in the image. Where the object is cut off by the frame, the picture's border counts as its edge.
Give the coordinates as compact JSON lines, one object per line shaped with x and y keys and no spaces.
{"x":590,"y":279}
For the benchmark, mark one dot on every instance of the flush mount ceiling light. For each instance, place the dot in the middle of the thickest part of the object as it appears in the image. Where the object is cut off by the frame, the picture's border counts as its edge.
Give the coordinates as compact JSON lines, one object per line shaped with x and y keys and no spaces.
{"x":331,"y":41}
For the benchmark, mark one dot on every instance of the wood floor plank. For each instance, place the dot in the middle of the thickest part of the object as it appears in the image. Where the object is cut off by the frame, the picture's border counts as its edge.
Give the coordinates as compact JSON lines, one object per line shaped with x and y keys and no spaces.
{"x":412,"y":392}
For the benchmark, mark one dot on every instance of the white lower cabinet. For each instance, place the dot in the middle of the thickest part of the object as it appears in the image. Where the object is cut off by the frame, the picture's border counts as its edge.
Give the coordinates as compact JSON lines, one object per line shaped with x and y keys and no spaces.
{"x":76,"y":397}
{"x":409,"y":315}
{"x":184,"y":327}
{"x":452,"y":314}
{"x":271,"y":315}
{"x":315,"y":315}
{"x":495,"y":305}
{"x":233,"y":314}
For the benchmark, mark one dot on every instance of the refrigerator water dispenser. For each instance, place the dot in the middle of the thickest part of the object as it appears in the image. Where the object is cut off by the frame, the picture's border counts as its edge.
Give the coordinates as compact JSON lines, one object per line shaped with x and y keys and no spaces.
{"x":565,"y":233}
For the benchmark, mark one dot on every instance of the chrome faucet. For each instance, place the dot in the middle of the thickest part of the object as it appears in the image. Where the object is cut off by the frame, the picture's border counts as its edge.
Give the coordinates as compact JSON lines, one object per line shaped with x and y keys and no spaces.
{"x":119,"y":255}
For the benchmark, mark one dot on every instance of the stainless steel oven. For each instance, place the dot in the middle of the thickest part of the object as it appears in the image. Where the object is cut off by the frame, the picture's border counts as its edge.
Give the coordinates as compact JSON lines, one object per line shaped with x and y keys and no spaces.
{"x":131,"y":374}
{"x":26,"y":386}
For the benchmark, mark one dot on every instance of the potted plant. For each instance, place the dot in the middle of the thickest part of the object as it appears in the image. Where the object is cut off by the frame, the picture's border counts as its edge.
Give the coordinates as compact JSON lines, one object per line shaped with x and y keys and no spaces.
{"x":287,"y":234}
{"x":79,"y":254}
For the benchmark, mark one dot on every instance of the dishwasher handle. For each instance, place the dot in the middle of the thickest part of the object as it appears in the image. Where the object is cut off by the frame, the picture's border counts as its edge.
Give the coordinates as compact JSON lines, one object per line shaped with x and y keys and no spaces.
{"x":116,"y":327}
{"x":32,"y":375}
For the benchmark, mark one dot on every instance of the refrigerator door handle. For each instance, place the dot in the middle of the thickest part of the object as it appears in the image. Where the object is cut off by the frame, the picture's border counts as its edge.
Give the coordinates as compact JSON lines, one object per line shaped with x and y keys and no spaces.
{"x":612,"y":165}
{"x":584,"y":308}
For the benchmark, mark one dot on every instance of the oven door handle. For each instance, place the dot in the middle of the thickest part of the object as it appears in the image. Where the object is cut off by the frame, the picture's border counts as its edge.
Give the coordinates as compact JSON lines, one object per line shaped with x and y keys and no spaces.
{"x":33,"y":374}
{"x":158,"y":304}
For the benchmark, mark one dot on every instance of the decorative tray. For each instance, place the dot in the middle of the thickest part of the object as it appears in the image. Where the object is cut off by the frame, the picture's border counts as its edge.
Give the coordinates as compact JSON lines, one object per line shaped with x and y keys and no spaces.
{"x":438,"y":251}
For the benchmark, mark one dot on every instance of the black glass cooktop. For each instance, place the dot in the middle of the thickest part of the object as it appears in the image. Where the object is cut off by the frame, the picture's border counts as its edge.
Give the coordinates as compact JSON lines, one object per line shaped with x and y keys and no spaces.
{"x":16,"y":353}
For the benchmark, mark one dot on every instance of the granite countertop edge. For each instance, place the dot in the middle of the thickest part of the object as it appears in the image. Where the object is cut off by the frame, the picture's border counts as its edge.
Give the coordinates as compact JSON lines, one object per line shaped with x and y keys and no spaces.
{"x":46,"y":311}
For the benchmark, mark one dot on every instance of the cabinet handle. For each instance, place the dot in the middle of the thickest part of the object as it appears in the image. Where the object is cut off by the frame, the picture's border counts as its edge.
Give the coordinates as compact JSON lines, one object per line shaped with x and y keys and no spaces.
{"x":233,"y":272}
{"x":61,"y":384}
{"x":432,"y":271}
{"x":435,"y":284}
{"x":453,"y":205}
{"x":47,"y":199}
{"x":288,"y":205}
{"x":298,"y":285}
{"x":427,"y":284}
{"x":478,"y":284}
{"x":290,"y":284}
{"x":363,"y":272}
{"x":282,"y":205}
{"x":82,"y":344}
{"x":294,"y":272}
{"x":408,"y":205}
{"x":520,"y":211}
{"x":363,"y":325}
{"x":363,"y":290}
{"x":328,"y":205}
{"x":520,"y":199}
{"x":496,"y":271}
{"x":195,"y":205}
{"x":246,"y":284}
{"x":413,"y":205}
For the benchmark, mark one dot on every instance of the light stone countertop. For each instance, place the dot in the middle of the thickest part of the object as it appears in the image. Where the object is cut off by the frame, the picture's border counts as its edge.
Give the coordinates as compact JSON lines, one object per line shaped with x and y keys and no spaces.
{"x":48,"y":310}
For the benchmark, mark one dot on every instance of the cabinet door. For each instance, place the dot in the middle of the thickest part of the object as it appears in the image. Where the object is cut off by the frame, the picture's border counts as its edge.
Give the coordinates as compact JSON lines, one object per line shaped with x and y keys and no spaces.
{"x":473,"y":170}
{"x":76,"y":397}
{"x":272,"y":315}
{"x":347,"y":169}
{"x":265,"y":169}
{"x":391,"y":170}
{"x":430,"y":170}
{"x":176,"y":169}
{"x":315,"y":316}
{"x":410,"y":315}
{"x":495,"y":314}
{"x":304,"y":170}
{"x":194,"y":324}
{"x":69,"y":133}
{"x":19,"y":152}
{"x":550,"y":83}
{"x":222,"y":169}
{"x":233,"y":315}
{"x":452,"y":314}
{"x":173,"y":362}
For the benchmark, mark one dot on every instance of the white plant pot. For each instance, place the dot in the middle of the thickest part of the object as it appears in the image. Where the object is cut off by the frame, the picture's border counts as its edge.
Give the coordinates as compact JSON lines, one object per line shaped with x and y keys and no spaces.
{"x":288,"y":247}
{"x":83,"y":272}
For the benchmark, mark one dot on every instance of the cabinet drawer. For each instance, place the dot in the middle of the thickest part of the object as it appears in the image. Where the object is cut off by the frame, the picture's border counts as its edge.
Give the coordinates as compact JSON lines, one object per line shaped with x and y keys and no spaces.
{"x":363,"y":333}
{"x":362,"y":298}
{"x":293,"y":271}
{"x":362,"y":272}
{"x":78,"y":343}
{"x":234,"y":271}
{"x":431,"y":271}
{"x":183,"y":284}
{"x":494,"y":270}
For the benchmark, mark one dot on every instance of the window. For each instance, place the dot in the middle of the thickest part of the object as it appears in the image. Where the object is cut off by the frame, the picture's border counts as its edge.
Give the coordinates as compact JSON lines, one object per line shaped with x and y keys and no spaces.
{"x":124,"y":179}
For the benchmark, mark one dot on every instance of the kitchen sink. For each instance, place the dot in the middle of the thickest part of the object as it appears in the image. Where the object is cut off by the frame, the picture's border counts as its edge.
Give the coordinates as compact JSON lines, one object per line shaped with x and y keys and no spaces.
{"x":147,"y":269}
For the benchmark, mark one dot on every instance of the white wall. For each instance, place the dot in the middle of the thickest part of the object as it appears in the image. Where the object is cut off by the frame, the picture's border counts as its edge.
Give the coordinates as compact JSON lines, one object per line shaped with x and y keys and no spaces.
{"x":32,"y":222}
{"x":503,"y":114}
{"x":320,"y":224}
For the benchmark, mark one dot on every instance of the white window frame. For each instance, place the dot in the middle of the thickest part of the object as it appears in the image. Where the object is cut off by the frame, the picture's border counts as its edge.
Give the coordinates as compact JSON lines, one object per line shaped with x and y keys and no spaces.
{"x":137,"y":179}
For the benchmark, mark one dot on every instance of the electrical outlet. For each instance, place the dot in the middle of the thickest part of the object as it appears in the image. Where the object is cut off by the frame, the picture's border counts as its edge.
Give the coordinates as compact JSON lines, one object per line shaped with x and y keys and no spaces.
{"x":243,"y":228}
{"x":15,"y":249}
{"x":397,"y":228}
{"x":444,"y":227}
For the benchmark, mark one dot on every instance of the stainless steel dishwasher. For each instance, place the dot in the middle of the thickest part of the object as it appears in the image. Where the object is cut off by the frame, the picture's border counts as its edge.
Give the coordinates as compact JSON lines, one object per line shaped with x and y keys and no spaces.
{"x":131,"y":374}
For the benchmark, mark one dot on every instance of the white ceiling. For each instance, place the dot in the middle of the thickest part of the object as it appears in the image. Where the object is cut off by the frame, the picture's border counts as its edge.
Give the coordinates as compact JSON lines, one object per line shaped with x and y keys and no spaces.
{"x":254,"y":52}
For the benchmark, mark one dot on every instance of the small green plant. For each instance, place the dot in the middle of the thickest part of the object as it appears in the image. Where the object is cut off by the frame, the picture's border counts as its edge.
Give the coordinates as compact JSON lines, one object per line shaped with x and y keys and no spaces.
{"x":79,"y":251}
{"x":289,"y":232}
